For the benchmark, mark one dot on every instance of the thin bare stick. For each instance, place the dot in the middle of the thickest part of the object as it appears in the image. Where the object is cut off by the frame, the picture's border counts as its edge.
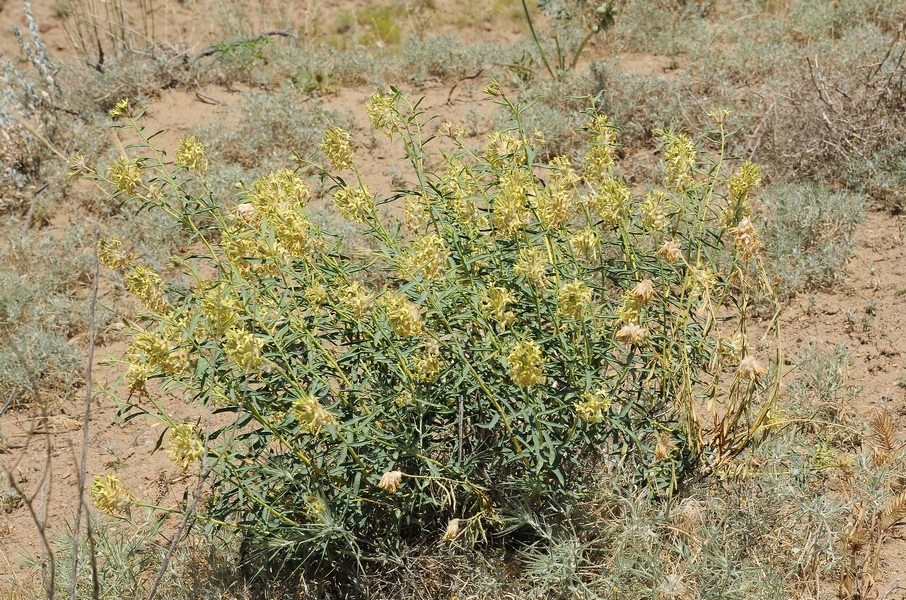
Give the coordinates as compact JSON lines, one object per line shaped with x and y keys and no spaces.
{"x":190,"y":509}
{"x":215,"y":49}
{"x":83,"y":466}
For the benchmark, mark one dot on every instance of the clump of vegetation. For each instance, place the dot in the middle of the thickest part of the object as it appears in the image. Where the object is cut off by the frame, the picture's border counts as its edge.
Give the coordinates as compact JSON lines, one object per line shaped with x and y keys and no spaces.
{"x":808,"y":231}
{"x":478,"y":371}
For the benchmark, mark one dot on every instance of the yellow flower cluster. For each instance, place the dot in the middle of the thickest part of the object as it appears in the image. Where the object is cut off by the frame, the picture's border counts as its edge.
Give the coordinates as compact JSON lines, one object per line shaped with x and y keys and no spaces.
{"x":277,"y":192}
{"x":573,"y":299}
{"x":655,"y":210}
{"x":337,"y":147}
{"x":190,"y":155}
{"x":593,"y":406}
{"x":244,"y":349}
{"x":556,"y":203}
{"x":356,"y":299}
{"x":494,"y":305}
{"x":532,"y":264}
{"x":427,"y":363}
{"x":511,"y":205}
{"x":600,"y":158}
{"x":679,"y":159}
{"x":110,"y":254}
{"x":125,"y":175}
{"x":416,"y":213}
{"x":584,"y":243}
{"x":612,"y":201}
{"x":426,"y":257}
{"x":148,"y":288}
{"x":220,"y":308}
{"x":741,"y":185}
{"x":311,"y":416}
{"x":249,"y":255}
{"x":354,"y":203}
{"x":526,"y":364}
{"x":186,"y":446}
{"x":381,"y":110}
{"x":316,"y":295}
{"x":504,"y":150}
{"x":402,"y":314}
{"x":121,"y":107}
{"x":109,"y":495}
{"x":293,"y":232}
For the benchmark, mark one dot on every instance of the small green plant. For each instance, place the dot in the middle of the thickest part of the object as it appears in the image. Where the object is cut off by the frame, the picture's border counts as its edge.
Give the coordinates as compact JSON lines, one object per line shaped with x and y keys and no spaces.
{"x":580,"y":21}
{"x":530,"y":325}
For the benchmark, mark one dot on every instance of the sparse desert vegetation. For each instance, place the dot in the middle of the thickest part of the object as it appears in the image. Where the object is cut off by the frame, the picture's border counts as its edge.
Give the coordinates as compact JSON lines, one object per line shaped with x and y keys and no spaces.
{"x":430,"y":299}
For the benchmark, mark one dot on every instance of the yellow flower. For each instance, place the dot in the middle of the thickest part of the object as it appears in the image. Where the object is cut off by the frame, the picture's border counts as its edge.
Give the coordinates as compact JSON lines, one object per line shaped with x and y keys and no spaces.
{"x":244,"y":349}
{"x":382,"y":112}
{"x":679,"y":159}
{"x":612,"y":201}
{"x":750,"y":369}
{"x":600,"y":158}
{"x":416,"y":213}
{"x":316,"y":295}
{"x":154,"y":350}
{"x":654,"y":211}
{"x":584,"y":243}
{"x":510,"y":207}
{"x":741,"y":185}
{"x":125,"y":175}
{"x":220,"y":308}
{"x":354,"y":203}
{"x":494,"y":306}
{"x":186,"y":446}
{"x":148,"y":288}
{"x":573,"y":299}
{"x":293,"y":232}
{"x":390,"y":481}
{"x":310,"y":415}
{"x":137,"y":375}
{"x":426,"y":257}
{"x":526,"y":364}
{"x":402,"y":314}
{"x":427,"y":363}
{"x":356,"y":299}
{"x":120,"y":109}
{"x":111,"y":256}
{"x":504,"y":150}
{"x":593,"y":405}
{"x":337,"y":148}
{"x":493,"y":89}
{"x":109,"y":495}
{"x":190,"y":155}
{"x":279,"y":191}
{"x":531,"y":264}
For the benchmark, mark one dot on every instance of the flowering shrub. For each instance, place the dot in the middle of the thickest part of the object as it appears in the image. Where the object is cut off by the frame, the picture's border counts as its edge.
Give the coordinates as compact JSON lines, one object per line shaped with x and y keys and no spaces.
{"x":531,"y":327}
